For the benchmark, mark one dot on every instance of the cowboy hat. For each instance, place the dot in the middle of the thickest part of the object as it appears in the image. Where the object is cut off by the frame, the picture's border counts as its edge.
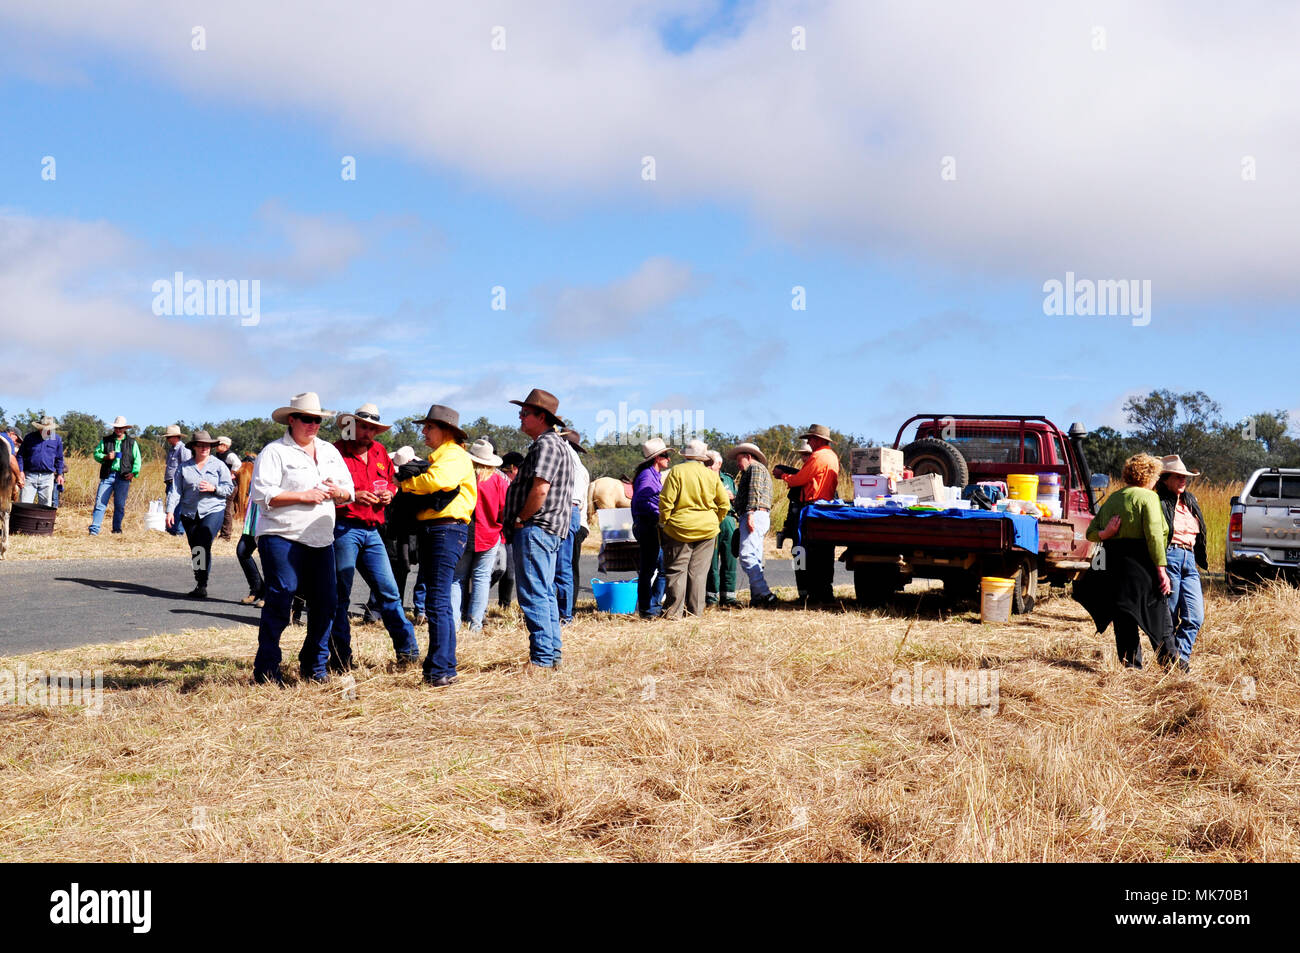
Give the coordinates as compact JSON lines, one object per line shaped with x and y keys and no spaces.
{"x":48,"y":423}
{"x":748,"y":448}
{"x":174,"y":431}
{"x":696,"y":450}
{"x":226,"y":440}
{"x":818,"y":430}
{"x":304,"y":403}
{"x":202,"y":436}
{"x":366,"y":412}
{"x":403,"y":456}
{"x":655,"y":447}
{"x":481,"y":452}
{"x":544,"y":401}
{"x":1174,"y":464}
{"x":573,"y":438}
{"x":120,"y":421}
{"x":804,"y":447}
{"x":444,"y":417}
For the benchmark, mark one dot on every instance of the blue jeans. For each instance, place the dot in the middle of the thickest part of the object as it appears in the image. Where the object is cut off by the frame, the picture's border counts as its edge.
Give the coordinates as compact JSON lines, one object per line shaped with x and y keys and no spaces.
{"x":474,"y":576}
{"x":566,"y":572}
{"x":200,"y":531}
{"x":289,"y":568}
{"x":1185,"y":603}
{"x":440,"y":545}
{"x":112,"y":485}
{"x":418,"y":591}
{"x":361,"y":548}
{"x":535,"y":552}
{"x":651,"y":582}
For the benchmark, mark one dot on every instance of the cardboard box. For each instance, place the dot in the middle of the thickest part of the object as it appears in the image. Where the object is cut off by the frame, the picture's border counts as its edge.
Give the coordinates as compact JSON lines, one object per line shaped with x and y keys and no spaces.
{"x":926,"y":487}
{"x":876,"y":460}
{"x":875,"y":484}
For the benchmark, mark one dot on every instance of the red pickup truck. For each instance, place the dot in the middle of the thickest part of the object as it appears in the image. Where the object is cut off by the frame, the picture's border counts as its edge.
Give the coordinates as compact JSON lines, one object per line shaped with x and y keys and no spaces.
{"x":887,"y":552}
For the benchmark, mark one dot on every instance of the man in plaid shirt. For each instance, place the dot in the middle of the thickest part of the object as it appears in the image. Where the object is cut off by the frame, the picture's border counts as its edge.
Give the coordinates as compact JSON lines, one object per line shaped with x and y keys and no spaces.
{"x":536,"y":521}
{"x":753,"y":506}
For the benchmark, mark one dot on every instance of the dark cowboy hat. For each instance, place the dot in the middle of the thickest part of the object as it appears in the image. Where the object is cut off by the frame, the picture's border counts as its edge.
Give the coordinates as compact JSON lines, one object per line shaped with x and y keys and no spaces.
{"x":544,"y":401}
{"x":444,"y":417}
{"x":818,"y":430}
{"x":202,"y":436}
{"x":573,"y":438}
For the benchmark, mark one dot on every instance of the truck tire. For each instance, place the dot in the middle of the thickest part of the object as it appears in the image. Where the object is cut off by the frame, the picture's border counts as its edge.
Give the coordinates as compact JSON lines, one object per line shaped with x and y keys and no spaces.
{"x":874,"y":586}
{"x":1025,"y":595}
{"x":932,"y":455}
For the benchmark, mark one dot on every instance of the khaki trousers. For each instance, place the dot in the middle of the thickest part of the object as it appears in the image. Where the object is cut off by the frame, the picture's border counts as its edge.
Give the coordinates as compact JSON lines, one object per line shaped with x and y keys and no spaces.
{"x":686,"y":567}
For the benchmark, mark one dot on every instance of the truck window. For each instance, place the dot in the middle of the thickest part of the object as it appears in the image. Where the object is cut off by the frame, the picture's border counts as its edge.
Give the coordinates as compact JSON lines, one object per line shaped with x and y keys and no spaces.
{"x":1291,"y":487}
{"x":1266,"y":487}
{"x":995,"y":447}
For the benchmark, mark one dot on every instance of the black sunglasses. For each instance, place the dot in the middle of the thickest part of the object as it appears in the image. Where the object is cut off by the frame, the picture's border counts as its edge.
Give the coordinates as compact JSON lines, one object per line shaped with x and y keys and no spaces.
{"x":304,"y":418}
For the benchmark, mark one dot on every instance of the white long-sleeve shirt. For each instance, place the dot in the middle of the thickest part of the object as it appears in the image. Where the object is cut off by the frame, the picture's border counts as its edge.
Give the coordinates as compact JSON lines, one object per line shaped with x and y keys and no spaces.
{"x":285,"y":467}
{"x":581,"y":479}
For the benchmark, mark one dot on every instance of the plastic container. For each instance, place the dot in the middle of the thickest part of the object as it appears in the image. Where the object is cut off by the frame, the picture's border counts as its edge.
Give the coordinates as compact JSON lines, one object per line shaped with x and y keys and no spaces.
{"x":1022,"y":486}
{"x":995,"y":598}
{"x":617,"y":598}
{"x":615,"y":524}
{"x":156,"y":518}
{"x":33,"y":519}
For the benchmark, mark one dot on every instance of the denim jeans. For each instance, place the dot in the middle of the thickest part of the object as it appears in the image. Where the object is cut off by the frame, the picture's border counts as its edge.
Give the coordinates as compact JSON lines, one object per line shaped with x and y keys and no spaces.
{"x":474,"y":580}
{"x":751,"y":552}
{"x":566,"y":570}
{"x":114,"y":486}
{"x":418,"y":591}
{"x":290,"y":567}
{"x":39,"y":488}
{"x":651,"y":581}
{"x":535,"y":552}
{"x":1186,"y":606}
{"x":441,"y":545}
{"x":361,"y":549}
{"x":199,"y":533}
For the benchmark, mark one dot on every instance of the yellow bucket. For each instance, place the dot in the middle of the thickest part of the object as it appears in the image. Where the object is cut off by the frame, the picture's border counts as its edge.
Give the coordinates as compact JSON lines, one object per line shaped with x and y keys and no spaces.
{"x":1022,"y":486}
{"x":995,"y":598}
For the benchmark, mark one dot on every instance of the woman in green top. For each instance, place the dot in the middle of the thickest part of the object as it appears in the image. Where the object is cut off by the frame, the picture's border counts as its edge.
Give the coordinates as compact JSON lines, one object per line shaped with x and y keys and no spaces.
{"x":1128,"y":583}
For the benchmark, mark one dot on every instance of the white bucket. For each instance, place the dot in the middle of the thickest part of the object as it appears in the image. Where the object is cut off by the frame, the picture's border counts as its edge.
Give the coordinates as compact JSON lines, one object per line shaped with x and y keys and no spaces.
{"x":156,"y":518}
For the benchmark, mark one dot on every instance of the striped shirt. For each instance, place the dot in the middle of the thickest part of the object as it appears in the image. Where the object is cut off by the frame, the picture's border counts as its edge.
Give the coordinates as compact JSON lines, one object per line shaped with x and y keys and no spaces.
{"x":548,"y":460}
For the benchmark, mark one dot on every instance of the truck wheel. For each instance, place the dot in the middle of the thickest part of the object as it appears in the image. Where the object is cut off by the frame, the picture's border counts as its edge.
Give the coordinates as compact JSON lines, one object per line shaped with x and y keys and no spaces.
{"x":1025,"y":595}
{"x":874,"y":586}
{"x":932,"y":455}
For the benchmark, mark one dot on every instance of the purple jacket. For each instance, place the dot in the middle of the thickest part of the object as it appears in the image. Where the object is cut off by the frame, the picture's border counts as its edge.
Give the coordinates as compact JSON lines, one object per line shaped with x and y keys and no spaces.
{"x":645,"y":494}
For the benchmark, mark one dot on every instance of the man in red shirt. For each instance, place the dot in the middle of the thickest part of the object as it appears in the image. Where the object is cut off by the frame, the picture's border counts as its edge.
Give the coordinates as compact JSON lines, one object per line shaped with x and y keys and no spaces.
{"x":357,"y":542}
{"x":820,"y":479}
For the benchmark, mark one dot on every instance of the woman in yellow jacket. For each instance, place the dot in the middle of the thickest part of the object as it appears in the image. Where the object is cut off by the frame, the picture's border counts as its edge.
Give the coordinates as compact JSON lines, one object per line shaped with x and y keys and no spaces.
{"x":442,"y":528}
{"x":692,"y":505}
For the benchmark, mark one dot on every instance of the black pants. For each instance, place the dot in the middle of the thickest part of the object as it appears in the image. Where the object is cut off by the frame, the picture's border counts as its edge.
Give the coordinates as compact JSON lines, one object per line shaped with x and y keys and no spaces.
{"x":199,"y":533}
{"x":817,"y":580}
{"x":244,"y":551}
{"x":1127,"y":643}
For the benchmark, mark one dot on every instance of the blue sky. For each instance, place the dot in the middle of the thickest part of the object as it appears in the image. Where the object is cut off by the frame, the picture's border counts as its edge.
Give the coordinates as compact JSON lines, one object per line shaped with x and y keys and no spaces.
{"x":522,"y":169}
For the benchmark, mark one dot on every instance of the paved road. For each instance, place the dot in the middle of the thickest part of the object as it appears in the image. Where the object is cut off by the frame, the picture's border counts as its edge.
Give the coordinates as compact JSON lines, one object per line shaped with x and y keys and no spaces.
{"x":57,"y":604}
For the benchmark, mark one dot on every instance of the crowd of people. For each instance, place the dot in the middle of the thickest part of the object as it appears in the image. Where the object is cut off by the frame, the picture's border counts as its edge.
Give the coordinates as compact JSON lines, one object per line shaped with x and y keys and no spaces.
{"x":319,"y":513}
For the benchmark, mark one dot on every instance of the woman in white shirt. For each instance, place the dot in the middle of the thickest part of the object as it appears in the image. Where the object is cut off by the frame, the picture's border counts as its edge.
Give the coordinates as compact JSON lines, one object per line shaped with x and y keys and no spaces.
{"x":297,"y":480}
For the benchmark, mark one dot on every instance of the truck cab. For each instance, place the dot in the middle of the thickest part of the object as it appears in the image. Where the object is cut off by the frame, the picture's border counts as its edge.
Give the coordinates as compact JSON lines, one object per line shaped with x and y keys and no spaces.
{"x":1264,"y":528}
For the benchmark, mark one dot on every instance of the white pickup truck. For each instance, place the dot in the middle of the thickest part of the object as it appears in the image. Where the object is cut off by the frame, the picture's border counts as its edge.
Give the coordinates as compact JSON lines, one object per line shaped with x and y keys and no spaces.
{"x":1264,"y":528}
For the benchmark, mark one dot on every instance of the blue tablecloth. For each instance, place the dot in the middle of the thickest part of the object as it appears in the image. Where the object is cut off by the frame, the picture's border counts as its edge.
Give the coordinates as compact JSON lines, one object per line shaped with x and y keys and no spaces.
{"x":1025,"y":528}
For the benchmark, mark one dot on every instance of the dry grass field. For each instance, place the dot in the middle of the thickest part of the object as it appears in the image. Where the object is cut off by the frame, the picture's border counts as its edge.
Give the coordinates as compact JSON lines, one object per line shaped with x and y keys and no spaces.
{"x":742,"y":736}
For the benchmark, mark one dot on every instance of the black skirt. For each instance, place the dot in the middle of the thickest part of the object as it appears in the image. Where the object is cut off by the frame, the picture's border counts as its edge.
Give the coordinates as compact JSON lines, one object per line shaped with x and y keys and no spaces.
{"x":1128,"y":587}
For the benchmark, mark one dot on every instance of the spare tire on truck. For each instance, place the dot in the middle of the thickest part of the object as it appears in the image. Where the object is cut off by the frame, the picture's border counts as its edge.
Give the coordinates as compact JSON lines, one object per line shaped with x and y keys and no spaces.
{"x":932,"y":455}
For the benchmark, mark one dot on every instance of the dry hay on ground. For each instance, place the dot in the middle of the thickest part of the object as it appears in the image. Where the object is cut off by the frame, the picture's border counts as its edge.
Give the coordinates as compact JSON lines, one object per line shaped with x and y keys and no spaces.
{"x":744,"y":736}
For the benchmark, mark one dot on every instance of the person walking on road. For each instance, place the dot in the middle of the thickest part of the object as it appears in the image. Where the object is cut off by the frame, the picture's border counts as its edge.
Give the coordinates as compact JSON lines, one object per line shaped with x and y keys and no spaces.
{"x":297,"y":482}
{"x":1186,"y":552}
{"x":197,"y":501}
{"x":40,"y":456}
{"x":753,"y":508}
{"x":118,"y":456}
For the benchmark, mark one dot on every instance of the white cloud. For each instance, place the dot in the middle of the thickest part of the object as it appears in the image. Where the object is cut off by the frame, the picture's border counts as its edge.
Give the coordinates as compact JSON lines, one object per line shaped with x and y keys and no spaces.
{"x":616,"y":308}
{"x":1117,"y":163}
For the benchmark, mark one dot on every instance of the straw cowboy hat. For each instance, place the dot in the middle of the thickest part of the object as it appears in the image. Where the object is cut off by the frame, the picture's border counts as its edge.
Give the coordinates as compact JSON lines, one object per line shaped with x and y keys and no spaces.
{"x":48,"y":423}
{"x":366,"y":412}
{"x":804,"y":447}
{"x":403,"y":456}
{"x":544,"y":401}
{"x":174,"y":431}
{"x":696,"y":450}
{"x":304,"y":403}
{"x":748,"y":448}
{"x":120,"y":421}
{"x":573,"y":438}
{"x":444,"y":417}
{"x":818,"y":430}
{"x":224,"y":441}
{"x":655,"y":447}
{"x":202,"y":436}
{"x":1174,"y":464}
{"x":481,"y":452}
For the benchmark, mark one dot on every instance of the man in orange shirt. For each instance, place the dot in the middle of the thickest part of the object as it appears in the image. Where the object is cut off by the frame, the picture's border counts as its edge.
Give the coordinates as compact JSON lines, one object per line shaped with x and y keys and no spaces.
{"x":820,"y":478}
